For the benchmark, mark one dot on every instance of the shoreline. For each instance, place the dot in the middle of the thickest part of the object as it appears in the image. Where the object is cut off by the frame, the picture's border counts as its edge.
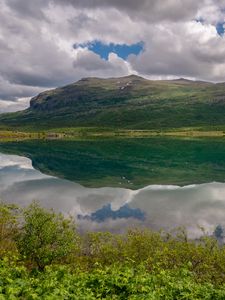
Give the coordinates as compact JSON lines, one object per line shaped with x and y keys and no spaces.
{"x":74,"y":133}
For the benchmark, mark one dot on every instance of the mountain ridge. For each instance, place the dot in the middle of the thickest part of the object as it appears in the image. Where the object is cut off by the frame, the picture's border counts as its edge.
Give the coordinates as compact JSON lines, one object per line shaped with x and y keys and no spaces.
{"x":129,"y":102}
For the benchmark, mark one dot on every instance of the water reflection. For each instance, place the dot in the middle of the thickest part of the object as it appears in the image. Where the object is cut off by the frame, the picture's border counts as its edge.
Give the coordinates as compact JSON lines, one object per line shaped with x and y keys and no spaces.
{"x":127,"y":163}
{"x":114,"y":209}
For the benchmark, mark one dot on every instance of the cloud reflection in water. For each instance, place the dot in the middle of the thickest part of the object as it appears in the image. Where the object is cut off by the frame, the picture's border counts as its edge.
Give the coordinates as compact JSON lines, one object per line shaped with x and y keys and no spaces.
{"x":161,"y":206}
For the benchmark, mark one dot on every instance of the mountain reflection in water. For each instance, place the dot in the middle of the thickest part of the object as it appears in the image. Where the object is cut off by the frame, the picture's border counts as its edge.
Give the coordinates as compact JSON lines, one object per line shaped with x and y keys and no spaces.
{"x":128,"y":163}
{"x":114,"y":209}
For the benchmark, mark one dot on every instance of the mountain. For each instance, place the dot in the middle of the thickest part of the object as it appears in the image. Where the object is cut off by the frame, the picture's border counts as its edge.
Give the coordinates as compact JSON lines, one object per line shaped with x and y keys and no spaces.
{"x":130,"y":102}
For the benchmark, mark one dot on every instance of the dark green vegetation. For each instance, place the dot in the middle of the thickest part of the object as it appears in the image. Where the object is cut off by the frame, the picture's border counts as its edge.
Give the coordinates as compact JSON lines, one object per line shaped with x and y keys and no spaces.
{"x":42,"y":256}
{"x":131,"y":163}
{"x":130,"y":102}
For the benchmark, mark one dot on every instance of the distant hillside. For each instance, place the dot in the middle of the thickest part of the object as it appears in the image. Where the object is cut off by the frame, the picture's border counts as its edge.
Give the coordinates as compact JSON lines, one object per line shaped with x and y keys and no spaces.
{"x":130,"y":102}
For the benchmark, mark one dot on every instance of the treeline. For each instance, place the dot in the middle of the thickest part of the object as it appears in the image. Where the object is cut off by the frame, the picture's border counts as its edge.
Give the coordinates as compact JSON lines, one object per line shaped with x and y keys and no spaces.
{"x":42,"y":256}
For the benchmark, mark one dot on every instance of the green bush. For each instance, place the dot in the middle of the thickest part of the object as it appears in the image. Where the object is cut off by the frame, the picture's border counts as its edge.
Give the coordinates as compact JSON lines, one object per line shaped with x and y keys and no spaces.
{"x":8,"y":228}
{"x":48,"y":259}
{"x":46,"y":237}
{"x":114,"y":282}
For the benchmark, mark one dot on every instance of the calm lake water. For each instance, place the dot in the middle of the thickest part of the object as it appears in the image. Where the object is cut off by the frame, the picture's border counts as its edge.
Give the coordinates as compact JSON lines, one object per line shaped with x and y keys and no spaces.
{"x":114,"y":184}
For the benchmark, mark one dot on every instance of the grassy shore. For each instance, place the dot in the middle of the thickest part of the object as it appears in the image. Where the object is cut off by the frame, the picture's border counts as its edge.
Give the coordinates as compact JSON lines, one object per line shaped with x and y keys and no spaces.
{"x":85,"y":132}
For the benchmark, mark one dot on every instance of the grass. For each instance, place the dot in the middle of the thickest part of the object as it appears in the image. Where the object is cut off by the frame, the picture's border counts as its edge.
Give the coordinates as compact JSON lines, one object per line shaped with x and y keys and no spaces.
{"x":95,"y":132}
{"x":6,"y":135}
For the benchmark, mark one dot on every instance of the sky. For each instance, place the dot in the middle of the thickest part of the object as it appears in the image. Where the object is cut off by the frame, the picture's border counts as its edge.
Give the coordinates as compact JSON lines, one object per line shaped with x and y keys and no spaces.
{"x":49,"y":43}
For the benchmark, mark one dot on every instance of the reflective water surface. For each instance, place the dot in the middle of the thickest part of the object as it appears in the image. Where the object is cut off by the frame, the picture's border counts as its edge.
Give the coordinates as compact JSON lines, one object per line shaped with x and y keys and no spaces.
{"x":112,"y":185}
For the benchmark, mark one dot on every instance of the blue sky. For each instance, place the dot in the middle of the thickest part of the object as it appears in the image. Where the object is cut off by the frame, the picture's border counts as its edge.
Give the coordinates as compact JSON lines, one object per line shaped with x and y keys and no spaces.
{"x":220,"y":28}
{"x":122,"y":50}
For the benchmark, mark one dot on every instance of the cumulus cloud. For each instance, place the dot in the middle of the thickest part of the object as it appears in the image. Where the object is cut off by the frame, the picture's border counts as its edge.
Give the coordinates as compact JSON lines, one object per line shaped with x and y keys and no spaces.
{"x":37,"y":38}
{"x":91,"y":62}
{"x":12,"y":106}
{"x":193,"y":50}
{"x":149,"y":10}
{"x":212,"y":11}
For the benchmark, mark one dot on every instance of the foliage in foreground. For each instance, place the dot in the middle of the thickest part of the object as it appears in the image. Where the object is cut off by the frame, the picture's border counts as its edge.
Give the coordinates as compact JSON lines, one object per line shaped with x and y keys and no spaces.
{"x":45,"y":236}
{"x":43,"y":257}
{"x":114,"y":282}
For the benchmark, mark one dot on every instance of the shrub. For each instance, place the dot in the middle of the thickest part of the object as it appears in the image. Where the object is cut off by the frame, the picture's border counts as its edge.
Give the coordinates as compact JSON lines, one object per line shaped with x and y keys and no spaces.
{"x":141,"y":264}
{"x":114,"y":282}
{"x":46,"y":237}
{"x":8,"y":228}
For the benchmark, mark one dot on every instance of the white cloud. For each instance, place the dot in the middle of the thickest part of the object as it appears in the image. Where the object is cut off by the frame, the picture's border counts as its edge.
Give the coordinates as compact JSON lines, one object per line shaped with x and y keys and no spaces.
{"x":36,"y":41}
{"x":191,"y":50}
{"x":87,"y":61}
{"x":149,"y":10}
{"x":12,"y":106}
{"x":212,"y":11}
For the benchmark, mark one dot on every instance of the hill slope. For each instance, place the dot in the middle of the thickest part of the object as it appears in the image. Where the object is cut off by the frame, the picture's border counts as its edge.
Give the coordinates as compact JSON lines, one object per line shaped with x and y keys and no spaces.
{"x":130,"y":102}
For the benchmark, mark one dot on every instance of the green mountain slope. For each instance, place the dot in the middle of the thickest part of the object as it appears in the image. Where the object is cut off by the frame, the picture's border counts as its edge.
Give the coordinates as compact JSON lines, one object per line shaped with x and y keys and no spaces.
{"x":130,"y":102}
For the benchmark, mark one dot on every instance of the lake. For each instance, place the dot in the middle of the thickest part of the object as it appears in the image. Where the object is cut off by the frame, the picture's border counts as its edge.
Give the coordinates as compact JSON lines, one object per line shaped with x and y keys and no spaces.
{"x":114,"y":184}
